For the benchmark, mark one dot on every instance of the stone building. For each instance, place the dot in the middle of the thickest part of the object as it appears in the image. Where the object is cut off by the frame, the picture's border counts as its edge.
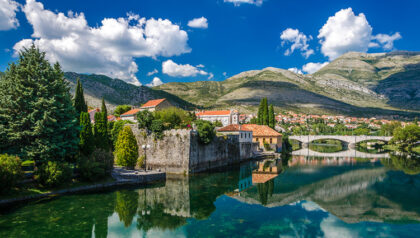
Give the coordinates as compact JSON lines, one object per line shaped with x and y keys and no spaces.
{"x":265,"y":135}
{"x":226,"y":117}
{"x":156,"y":104}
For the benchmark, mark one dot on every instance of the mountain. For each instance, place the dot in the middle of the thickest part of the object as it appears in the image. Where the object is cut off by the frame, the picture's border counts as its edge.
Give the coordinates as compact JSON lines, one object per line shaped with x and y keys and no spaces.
{"x":117,"y":92}
{"x":353,"y":84}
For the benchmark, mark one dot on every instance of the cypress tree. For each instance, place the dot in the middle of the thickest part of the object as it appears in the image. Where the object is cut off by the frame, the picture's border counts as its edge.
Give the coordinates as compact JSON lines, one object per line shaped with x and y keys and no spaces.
{"x":79,"y":99}
{"x":103,"y":107}
{"x":260,"y":112}
{"x":100,"y":132}
{"x":126,"y":148}
{"x":105,"y":119}
{"x":37,"y":118}
{"x":265,"y":112}
{"x":87,"y":142}
{"x":271,"y":118}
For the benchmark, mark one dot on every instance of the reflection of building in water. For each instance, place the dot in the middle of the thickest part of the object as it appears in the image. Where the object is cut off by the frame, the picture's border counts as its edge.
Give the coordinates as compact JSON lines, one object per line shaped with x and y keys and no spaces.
{"x":305,"y":160}
{"x":245,"y":176}
{"x":266,"y":170}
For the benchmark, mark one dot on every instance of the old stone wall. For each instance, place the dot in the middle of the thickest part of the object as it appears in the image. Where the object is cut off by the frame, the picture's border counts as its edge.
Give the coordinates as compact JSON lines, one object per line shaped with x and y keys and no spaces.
{"x":179,"y":151}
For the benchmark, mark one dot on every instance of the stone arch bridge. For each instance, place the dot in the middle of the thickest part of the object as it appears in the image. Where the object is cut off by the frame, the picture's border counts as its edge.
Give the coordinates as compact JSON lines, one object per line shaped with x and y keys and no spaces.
{"x":350,"y":140}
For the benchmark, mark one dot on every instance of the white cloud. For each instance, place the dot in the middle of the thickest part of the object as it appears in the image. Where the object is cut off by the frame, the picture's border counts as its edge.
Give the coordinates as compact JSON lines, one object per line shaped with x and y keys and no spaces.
{"x":239,"y":2}
{"x":299,"y":42}
{"x":224,"y":74}
{"x":295,"y":70}
{"x":200,"y":66}
{"x":8,"y":20}
{"x":155,"y":71}
{"x":198,"y":23}
{"x":108,"y":49}
{"x":181,"y":70}
{"x":387,"y":41}
{"x":311,"y":67}
{"x":345,"y":32}
{"x":211,"y":76}
{"x":155,"y":82}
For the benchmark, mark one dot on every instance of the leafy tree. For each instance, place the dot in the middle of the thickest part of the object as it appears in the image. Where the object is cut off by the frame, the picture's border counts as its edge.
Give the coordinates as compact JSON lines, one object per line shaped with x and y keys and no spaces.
{"x":79,"y":99}
{"x":126,"y":149}
{"x":271,"y":117}
{"x":174,"y":118}
{"x":37,"y":119}
{"x":87,"y":141}
{"x":144,"y":119}
{"x":389,"y":128}
{"x":121,"y":109}
{"x":205,"y":131}
{"x":118,"y":126}
{"x":405,"y":138}
{"x":101,"y":131}
{"x":53,"y":174}
{"x":10,"y":172}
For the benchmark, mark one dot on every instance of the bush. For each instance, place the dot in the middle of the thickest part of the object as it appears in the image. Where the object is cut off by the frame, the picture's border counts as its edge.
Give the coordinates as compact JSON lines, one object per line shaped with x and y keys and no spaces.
{"x":126,"y":149}
{"x":53,"y":174}
{"x":205,"y":131}
{"x":157,"y":128}
{"x":97,"y":166}
{"x":144,"y":119}
{"x":267,"y":146}
{"x":174,"y":118}
{"x":140,"y":161}
{"x":10,"y":172}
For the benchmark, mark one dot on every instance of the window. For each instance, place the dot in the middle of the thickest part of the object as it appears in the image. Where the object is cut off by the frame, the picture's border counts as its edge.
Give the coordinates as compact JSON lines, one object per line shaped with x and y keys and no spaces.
{"x":264,"y":140}
{"x":256,"y":139}
{"x":241,"y":135}
{"x":271,"y":140}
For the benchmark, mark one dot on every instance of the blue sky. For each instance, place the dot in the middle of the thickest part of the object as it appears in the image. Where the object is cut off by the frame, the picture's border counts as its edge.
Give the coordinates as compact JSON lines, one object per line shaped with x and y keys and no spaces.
{"x":232,"y":36}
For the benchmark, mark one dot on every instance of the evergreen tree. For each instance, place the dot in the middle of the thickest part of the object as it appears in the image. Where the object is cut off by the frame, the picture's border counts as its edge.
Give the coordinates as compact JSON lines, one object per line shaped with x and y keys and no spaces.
{"x":101,"y":132}
{"x":103,"y":107}
{"x":37,"y":118}
{"x":105,"y":119}
{"x":260,"y":112}
{"x":126,"y":148}
{"x":271,"y":118}
{"x":265,"y":112}
{"x":79,"y":99}
{"x":87,"y":141}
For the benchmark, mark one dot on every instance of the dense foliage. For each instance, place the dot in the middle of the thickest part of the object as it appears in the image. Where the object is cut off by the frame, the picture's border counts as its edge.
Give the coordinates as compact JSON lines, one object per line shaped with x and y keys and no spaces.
{"x":101,"y":131}
{"x":126,"y":149}
{"x":271,"y":117}
{"x":97,"y":166}
{"x":126,"y":206}
{"x":157,"y":128}
{"x":121,"y":109}
{"x":79,"y":99}
{"x":174,"y":118}
{"x":205,"y":131}
{"x":144,"y":119}
{"x":53,"y":174}
{"x":10,"y":172}
{"x":87,"y":141}
{"x":405,"y":138}
{"x":265,"y":115}
{"x":117,"y":127}
{"x":37,"y":118}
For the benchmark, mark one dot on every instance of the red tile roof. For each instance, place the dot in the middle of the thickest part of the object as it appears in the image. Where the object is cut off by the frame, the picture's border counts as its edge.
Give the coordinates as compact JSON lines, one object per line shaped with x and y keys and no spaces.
{"x":213,"y":113}
{"x":261,"y":130}
{"x":233,"y":127}
{"x":262,"y":178}
{"x":131,"y":112}
{"x":153,"y":103}
{"x":95,"y":109}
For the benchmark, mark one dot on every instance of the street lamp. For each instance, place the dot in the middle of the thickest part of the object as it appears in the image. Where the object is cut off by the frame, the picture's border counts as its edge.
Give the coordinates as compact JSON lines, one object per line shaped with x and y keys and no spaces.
{"x":145,"y":147}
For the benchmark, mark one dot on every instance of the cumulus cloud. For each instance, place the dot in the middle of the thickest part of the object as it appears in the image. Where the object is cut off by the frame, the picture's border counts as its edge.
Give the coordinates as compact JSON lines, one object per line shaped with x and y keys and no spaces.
{"x":8,"y":20}
{"x":181,"y":70}
{"x":237,"y":3}
{"x":311,"y":67}
{"x":386,"y":41}
{"x":155,"y":71}
{"x":155,"y":82}
{"x":295,"y":70}
{"x":345,"y":32}
{"x":211,"y":76}
{"x":198,"y":23}
{"x":108,"y":49}
{"x":298,"y":40}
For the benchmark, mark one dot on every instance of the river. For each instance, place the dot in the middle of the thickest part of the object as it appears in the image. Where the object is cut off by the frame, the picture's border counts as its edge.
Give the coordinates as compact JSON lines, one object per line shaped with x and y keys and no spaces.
{"x":295,"y":197}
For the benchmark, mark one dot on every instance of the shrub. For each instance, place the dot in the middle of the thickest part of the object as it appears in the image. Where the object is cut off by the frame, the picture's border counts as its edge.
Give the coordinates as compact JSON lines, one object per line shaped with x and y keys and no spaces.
{"x":53,"y":174}
{"x":140,"y":161}
{"x":157,"y":128}
{"x":10,"y":172}
{"x":267,"y":146}
{"x":205,"y":131}
{"x":144,"y":119}
{"x":118,"y":126}
{"x":97,"y":166}
{"x":126,"y":149}
{"x":174,"y":118}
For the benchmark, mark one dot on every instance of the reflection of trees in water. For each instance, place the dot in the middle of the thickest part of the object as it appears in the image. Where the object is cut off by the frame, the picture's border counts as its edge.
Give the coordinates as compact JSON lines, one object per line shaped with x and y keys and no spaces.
{"x":156,"y":217}
{"x":409,"y":164}
{"x":265,"y":190}
{"x":126,"y":205}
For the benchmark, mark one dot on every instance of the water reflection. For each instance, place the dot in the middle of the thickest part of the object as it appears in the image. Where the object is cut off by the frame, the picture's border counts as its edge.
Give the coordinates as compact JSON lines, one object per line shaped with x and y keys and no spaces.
{"x":295,"y":197}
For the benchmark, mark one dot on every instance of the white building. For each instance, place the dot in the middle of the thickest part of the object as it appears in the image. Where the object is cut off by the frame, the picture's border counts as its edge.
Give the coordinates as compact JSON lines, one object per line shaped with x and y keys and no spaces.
{"x":226,"y":117}
{"x":244,"y":134}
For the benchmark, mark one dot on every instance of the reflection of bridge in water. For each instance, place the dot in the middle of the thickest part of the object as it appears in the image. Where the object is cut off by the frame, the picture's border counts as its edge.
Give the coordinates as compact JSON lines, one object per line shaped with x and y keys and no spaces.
{"x":350,"y":140}
{"x":346,"y":153}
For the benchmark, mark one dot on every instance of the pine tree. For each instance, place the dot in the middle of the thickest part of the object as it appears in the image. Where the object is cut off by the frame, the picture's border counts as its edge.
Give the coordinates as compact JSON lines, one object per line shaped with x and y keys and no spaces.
{"x":126,"y":148}
{"x":265,"y":112}
{"x":101,"y":132}
{"x":79,"y":99}
{"x":271,"y":118}
{"x":37,"y":118}
{"x":87,"y":141}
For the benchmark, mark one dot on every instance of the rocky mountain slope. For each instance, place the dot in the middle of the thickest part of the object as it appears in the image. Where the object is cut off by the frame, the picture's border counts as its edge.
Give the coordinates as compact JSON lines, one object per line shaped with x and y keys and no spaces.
{"x":117,"y":92}
{"x":353,"y":84}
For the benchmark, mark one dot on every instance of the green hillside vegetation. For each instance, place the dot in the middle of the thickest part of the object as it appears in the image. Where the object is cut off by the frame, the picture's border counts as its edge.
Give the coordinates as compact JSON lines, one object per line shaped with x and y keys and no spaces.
{"x":117,"y":92}
{"x":353,"y":84}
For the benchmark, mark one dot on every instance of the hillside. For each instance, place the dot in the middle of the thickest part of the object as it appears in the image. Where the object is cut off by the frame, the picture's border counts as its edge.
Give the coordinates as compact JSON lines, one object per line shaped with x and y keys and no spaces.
{"x":116,"y":92}
{"x":353,"y":84}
